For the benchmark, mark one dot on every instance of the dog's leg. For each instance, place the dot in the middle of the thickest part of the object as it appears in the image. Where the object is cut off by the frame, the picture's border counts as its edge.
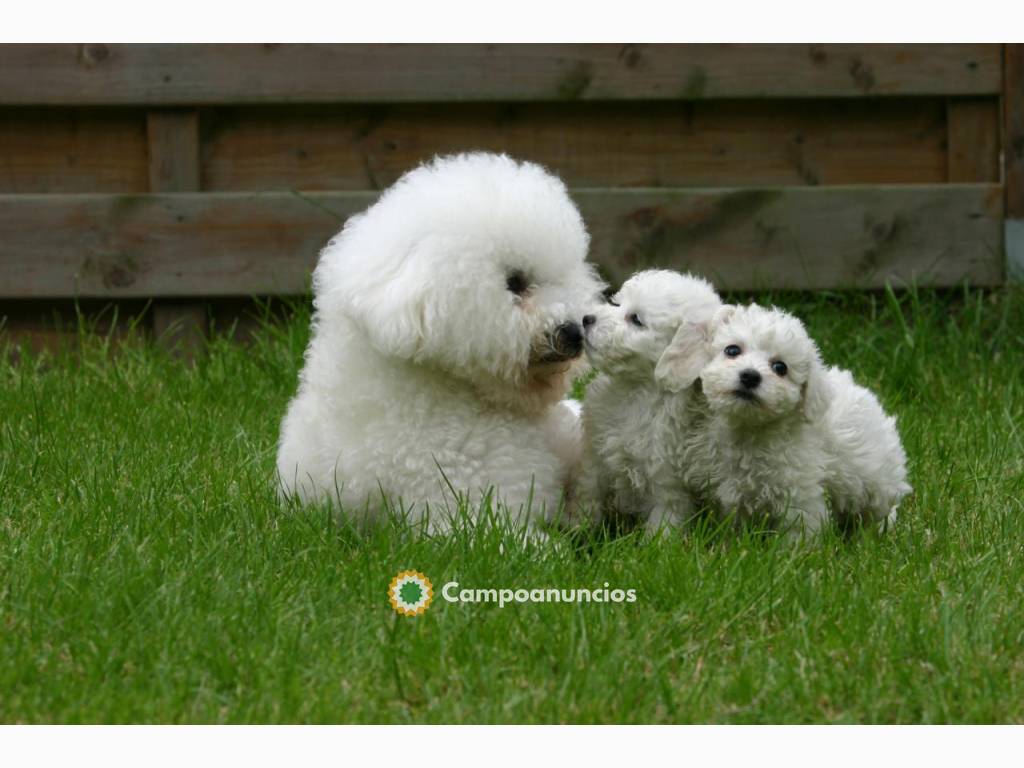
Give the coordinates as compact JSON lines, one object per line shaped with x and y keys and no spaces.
{"x":586,"y":501}
{"x":803,"y":516}
{"x":670,"y":512}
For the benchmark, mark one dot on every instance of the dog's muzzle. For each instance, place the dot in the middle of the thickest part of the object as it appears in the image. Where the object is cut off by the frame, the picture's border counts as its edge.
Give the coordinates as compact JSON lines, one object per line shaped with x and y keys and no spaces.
{"x":563,"y":343}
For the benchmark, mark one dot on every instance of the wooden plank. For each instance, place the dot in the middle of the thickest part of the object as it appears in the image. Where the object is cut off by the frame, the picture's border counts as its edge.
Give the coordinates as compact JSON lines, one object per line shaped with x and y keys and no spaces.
{"x":72,"y":150}
{"x":266,"y":244}
{"x":973,"y":141}
{"x":651,"y":144}
{"x":174,"y":167}
{"x":262,"y":74}
{"x":847,"y":237}
{"x":721,"y":143}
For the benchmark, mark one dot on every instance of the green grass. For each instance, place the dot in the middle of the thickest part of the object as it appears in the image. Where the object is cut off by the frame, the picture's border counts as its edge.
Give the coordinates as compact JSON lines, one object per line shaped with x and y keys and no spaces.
{"x":147,"y":572}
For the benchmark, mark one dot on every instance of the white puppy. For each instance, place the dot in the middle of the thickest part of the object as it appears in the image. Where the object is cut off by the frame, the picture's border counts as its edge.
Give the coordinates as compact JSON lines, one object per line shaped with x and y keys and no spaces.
{"x":446,"y":334}
{"x":634,"y":420}
{"x":782,"y":430}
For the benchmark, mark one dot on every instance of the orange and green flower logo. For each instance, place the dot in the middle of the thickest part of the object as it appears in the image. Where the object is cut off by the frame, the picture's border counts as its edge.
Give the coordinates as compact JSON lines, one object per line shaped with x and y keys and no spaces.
{"x":410,"y":593}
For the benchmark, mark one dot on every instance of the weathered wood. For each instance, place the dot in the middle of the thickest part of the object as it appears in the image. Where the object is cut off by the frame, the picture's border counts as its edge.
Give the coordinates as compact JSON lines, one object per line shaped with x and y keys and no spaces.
{"x":1013,"y":151}
{"x":260,"y":74}
{"x":72,"y":150}
{"x":174,"y":167}
{"x":650,"y":144}
{"x":176,"y":245}
{"x":836,"y":237}
{"x":973,"y":140}
{"x":716,"y":143}
{"x":173,"y":150}
{"x":266,"y":244}
{"x":1013,"y":111}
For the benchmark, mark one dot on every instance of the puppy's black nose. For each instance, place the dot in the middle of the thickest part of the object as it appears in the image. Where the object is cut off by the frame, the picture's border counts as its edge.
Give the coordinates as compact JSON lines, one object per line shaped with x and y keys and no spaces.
{"x":750,"y":378}
{"x":568,"y":339}
{"x":589,"y":320}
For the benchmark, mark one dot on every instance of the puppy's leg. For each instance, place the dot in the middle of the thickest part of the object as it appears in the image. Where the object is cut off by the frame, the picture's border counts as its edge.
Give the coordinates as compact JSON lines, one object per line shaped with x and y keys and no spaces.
{"x":671,"y":511}
{"x":587,"y":498}
{"x":563,"y":432}
{"x":803,"y":516}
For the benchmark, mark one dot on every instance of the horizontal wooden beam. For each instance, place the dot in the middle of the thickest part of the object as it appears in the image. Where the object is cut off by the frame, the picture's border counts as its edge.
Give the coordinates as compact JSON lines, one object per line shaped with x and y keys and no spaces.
{"x":729,"y":143}
{"x":196,"y":75}
{"x":234,"y":244}
{"x":747,"y":143}
{"x":804,"y":238}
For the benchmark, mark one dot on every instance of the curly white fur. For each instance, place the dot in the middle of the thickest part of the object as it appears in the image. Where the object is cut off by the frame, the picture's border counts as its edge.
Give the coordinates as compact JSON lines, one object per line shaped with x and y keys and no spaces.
{"x":783,"y":432}
{"x":865,"y":467}
{"x":635,"y":420}
{"x":442,"y":346}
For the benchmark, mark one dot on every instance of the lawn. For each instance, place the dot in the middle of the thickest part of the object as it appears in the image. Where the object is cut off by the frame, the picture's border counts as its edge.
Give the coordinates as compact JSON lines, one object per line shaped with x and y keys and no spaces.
{"x":148,"y":573}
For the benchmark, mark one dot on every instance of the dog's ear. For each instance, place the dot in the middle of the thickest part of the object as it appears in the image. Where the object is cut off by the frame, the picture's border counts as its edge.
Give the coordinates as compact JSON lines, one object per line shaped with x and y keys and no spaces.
{"x":683,"y":360}
{"x":723,"y":315}
{"x":817,"y":391}
{"x":389,"y":303}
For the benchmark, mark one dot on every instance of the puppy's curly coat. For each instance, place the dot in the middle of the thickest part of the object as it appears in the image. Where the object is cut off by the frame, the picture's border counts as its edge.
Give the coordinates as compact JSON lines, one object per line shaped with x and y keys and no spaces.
{"x":783,"y":432}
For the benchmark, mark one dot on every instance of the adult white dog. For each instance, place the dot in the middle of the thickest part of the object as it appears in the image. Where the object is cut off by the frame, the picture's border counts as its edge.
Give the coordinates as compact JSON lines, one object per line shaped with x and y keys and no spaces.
{"x":636,"y":418}
{"x":445,"y":336}
{"x":784,"y":433}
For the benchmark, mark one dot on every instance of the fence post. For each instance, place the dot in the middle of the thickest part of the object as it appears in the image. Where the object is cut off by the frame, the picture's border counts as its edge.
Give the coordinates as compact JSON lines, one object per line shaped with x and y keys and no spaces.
{"x":173,"y":137}
{"x":1013,"y":148}
{"x":972,"y":140}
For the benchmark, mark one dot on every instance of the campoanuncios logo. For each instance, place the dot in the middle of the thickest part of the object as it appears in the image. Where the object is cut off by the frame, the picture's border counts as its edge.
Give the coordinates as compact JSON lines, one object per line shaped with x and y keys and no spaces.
{"x":410,"y":593}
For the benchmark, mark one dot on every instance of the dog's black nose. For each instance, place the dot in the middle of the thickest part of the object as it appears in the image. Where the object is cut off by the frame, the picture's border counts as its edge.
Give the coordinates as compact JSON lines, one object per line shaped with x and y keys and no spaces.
{"x":750,"y":378}
{"x":589,"y":320}
{"x":568,"y":339}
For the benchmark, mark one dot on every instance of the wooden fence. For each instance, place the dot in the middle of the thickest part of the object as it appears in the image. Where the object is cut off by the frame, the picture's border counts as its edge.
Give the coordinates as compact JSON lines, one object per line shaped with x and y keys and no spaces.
{"x":187,"y":173}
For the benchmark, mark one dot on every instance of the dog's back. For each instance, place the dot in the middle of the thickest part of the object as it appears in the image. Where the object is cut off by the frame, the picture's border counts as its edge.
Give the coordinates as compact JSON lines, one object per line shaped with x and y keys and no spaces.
{"x":866,"y":470}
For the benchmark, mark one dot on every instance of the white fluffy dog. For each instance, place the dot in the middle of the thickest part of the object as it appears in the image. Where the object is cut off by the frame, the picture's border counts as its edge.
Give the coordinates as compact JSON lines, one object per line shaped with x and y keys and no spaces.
{"x":635,"y":420}
{"x":446,"y":334}
{"x":783,"y":432}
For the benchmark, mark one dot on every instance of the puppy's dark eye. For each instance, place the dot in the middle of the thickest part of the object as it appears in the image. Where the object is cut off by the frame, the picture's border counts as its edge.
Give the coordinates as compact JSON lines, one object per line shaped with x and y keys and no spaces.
{"x":517,"y":282}
{"x":634,"y":318}
{"x":732,"y":351}
{"x":780,"y":368}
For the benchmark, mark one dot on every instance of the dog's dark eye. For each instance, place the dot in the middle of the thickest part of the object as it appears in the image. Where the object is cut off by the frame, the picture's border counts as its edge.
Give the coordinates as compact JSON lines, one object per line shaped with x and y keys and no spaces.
{"x":634,"y":318}
{"x":779,"y":367}
{"x":517,"y":282}
{"x":732,"y":351}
